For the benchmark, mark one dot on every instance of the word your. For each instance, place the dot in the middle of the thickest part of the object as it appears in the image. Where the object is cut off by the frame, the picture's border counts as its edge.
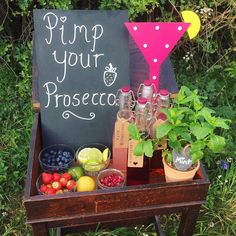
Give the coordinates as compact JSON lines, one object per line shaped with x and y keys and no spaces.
{"x":72,"y":59}
{"x":77,"y":99}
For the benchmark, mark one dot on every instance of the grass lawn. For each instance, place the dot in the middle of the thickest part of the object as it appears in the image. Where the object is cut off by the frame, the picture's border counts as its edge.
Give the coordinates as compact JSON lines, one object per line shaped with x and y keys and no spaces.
{"x":217,"y":217}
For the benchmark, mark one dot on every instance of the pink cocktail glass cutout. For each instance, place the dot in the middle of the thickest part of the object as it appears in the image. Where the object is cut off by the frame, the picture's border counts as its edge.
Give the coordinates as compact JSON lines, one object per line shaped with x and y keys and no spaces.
{"x":156,"y":40}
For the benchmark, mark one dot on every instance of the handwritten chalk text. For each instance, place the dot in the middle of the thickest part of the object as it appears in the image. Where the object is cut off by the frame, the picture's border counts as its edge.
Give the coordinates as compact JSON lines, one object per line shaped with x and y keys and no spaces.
{"x":77,"y":99}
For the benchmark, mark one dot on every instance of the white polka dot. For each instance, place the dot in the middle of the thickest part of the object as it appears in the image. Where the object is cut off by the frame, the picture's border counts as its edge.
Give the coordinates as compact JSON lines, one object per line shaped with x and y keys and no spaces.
{"x":157,"y":27}
{"x":180,"y":28}
{"x":167,"y":46}
{"x":154,"y":77}
{"x":145,"y":45}
{"x":155,"y":60}
{"x":135,"y":28}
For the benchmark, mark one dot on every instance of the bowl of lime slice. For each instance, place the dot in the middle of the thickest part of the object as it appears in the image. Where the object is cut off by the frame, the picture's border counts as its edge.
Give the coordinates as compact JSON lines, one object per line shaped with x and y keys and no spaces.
{"x":93,"y":157}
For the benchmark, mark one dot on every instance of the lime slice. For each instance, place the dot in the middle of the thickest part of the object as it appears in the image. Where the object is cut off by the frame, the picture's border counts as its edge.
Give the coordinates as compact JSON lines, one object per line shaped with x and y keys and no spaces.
{"x":105,"y":155}
{"x":95,"y":155}
{"x":83,"y":155}
{"x":92,"y":165}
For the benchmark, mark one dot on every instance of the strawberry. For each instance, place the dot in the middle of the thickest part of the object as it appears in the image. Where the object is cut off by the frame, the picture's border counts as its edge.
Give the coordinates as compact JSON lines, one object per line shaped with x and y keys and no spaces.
{"x":46,"y":178}
{"x":60,"y":191}
{"x":49,"y":185}
{"x":56,"y":176}
{"x":70,"y":184}
{"x":67,"y":176}
{"x":63,"y":181}
{"x":65,"y":190}
{"x":43,"y":188}
{"x":56,"y":185}
{"x":109,"y":76}
{"x":51,"y":191}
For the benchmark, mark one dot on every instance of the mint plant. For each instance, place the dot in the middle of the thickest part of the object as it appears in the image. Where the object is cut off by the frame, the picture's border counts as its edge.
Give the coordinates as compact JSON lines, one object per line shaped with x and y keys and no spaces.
{"x":190,"y":122}
{"x":144,"y":147}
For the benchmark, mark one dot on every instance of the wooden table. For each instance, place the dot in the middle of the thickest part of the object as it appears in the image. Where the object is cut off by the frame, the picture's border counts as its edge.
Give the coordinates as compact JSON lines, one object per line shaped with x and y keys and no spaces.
{"x":128,"y":206}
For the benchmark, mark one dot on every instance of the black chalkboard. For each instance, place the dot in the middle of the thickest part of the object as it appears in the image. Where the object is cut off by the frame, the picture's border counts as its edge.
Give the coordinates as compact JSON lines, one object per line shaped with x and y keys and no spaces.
{"x":82,"y":59}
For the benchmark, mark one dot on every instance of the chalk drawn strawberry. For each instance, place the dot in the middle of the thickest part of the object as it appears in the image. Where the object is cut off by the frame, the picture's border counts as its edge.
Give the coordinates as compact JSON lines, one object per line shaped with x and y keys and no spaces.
{"x":109,"y":76}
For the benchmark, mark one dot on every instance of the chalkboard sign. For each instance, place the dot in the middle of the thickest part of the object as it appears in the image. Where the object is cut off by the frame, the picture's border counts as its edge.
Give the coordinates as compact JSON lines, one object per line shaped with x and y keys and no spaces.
{"x":182,"y":160}
{"x":82,"y":59}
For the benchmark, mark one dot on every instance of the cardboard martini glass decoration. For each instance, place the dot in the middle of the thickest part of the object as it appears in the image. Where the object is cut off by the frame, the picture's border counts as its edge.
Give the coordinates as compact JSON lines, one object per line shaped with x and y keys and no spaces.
{"x":156,"y":40}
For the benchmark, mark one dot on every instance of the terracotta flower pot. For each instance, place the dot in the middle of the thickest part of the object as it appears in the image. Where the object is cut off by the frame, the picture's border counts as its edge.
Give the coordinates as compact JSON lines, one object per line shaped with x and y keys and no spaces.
{"x":173,"y":175}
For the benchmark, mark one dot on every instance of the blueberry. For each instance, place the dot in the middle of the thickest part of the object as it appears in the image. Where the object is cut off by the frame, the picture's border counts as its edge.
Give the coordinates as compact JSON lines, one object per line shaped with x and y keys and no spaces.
{"x":60,"y":163}
{"x":63,"y":158}
{"x":43,"y":160}
{"x":53,"y":163}
{"x":64,"y":153}
{"x":59,"y":152}
{"x":46,"y":154}
{"x":58,"y":159}
{"x":51,"y":152}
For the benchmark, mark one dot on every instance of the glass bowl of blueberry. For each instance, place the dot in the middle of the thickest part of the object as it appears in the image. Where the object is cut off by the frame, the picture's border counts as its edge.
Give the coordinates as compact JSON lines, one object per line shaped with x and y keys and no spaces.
{"x":56,"y":158}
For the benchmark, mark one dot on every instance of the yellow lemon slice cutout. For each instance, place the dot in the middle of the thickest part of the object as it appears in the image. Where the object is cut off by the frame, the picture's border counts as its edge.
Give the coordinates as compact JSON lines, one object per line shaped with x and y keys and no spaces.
{"x":193,"y":18}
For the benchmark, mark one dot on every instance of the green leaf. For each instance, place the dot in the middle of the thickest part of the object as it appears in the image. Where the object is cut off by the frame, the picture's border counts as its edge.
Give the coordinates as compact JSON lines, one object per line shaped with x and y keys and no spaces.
{"x":216,"y":143}
{"x":197,"y":156}
{"x":163,"y":130}
{"x":206,"y":111}
{"x":148,"y":148}
{"x":172,"y":136}
{"x":138,"y":150}
{"x":183,"y":132}
{"x":175,"y":144}
{"x":169,"y":157}
{"x":197,"y":146}
{"x":221,"y":123}
{"x":197,"y":104}
{"x":199,"y":131}
{"x":134,"y":132}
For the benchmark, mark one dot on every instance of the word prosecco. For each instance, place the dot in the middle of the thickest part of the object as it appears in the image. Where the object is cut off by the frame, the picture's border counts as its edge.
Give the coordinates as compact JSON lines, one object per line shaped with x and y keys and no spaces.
{"x":77,"y":99}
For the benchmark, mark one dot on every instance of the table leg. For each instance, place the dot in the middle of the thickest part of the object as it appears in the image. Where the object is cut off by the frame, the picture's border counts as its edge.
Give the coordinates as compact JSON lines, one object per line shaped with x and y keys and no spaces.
{"x":40,"y":229}
{"x":158,"y":226}
{"x":188,"y":221}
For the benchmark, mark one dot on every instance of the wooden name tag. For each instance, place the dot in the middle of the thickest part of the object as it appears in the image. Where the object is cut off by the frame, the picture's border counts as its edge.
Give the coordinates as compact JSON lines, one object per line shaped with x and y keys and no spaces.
{"x":134,"y":161}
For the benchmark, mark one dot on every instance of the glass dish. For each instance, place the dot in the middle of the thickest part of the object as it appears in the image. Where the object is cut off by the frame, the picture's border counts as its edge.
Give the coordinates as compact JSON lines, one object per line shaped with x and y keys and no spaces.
{"x":93,"y":157}
{"x":103,"y":180}
{"x":56,"y":158}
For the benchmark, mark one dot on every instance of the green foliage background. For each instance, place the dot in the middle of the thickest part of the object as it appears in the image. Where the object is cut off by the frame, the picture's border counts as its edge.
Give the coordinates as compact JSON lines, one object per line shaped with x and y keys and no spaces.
{"x":207,"y":63}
